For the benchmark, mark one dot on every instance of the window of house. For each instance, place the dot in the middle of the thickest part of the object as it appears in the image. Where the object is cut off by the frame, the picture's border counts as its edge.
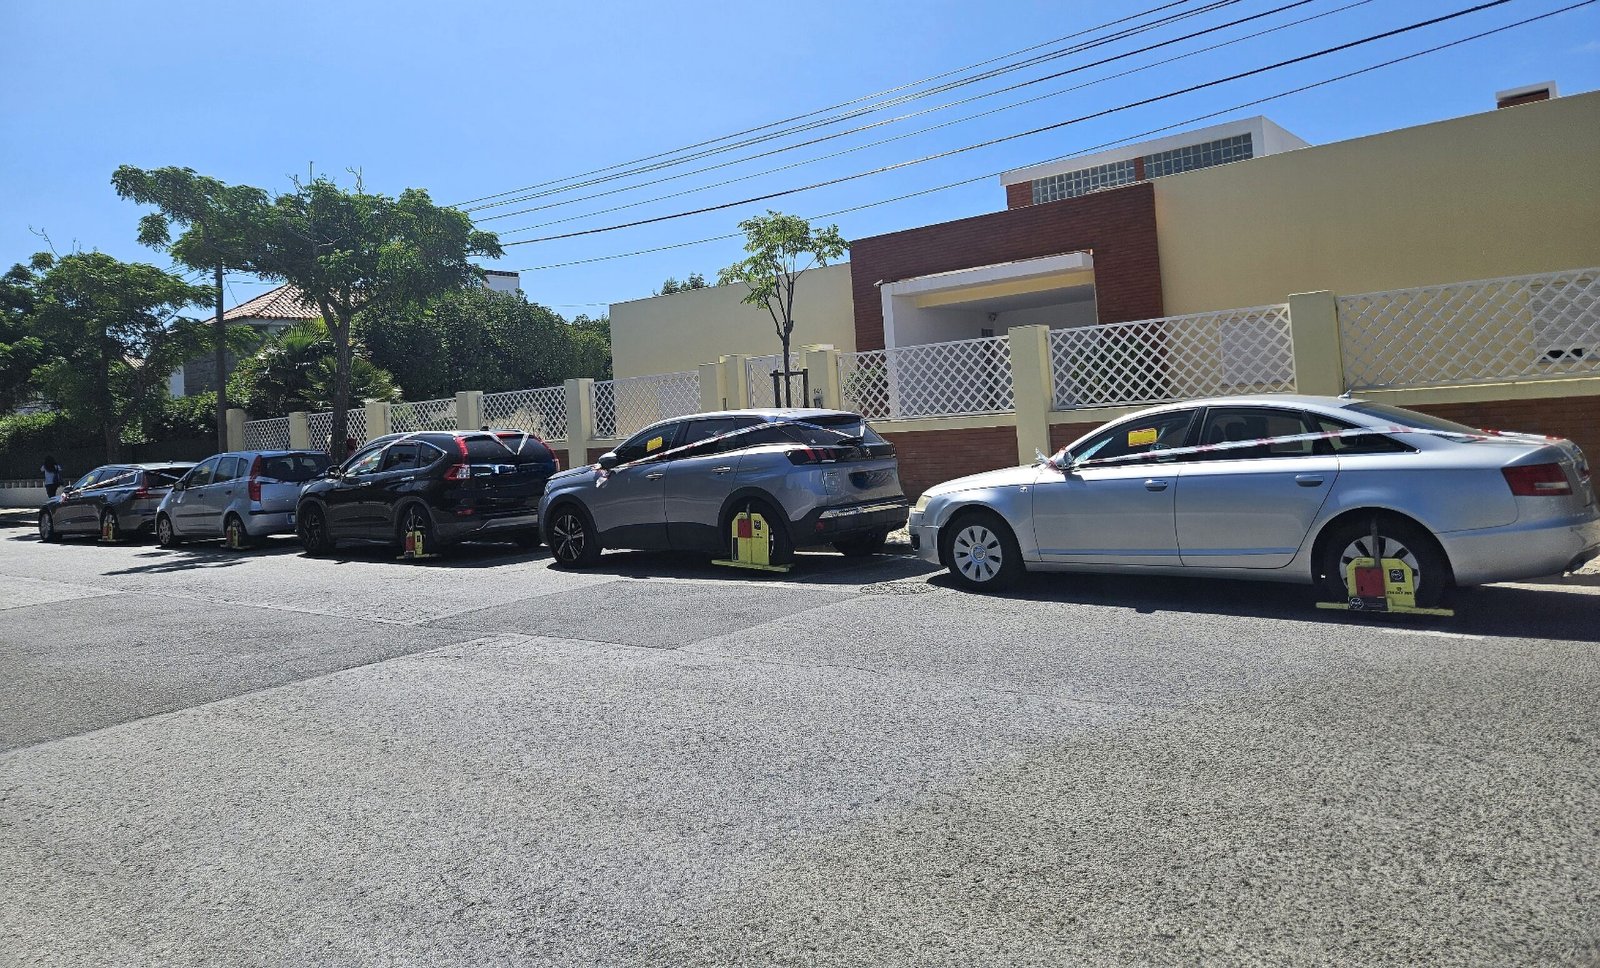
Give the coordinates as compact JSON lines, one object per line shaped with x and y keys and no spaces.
{"x":1191,"y":157}
{"x":1071,"y":184}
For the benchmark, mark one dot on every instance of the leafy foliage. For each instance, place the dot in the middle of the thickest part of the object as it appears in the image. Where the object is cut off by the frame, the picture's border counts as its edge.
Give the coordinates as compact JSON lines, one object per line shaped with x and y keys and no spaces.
{"x":475,"y":338}
{"x":672,"y":285}
{"x":21,"y":348}
{"x":295,"y":371}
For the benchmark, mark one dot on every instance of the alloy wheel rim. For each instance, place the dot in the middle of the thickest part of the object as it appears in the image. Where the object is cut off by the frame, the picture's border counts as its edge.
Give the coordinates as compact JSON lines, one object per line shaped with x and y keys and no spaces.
{"x":977,"y":553}
{"x":164,"y":531}
{"x":1388,"y":547}
{"x":47,"y":525}
{"x":314,"y":526}
{"x":569,"y":537}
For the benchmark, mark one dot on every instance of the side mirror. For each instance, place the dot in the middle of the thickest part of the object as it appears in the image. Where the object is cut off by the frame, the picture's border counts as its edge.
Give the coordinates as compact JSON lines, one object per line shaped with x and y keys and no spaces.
{"x":332,"y":472}
{"x":609,"y":460}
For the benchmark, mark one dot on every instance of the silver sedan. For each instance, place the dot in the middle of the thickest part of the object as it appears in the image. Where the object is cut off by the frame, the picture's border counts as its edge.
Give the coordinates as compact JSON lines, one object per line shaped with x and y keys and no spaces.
{"x":1279,"y":488}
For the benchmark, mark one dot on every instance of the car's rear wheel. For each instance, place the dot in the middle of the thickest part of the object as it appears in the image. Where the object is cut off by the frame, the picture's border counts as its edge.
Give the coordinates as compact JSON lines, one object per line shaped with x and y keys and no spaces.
{"x":166,"y":534}
{"x":234,"y":534}
{"x":109,"y":530}
{"x":981,"y":552}
{"x":572,"y":541}
{"x":417,"y":526}
{"x":47,"y":527}
{"x":862,"y":545}
{"x":1411,"y":545}
{"x":314,"y":536}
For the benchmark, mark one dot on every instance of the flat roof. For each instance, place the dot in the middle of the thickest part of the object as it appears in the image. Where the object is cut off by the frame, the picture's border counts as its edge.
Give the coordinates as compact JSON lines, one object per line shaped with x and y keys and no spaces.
{"x":1269,"y":139}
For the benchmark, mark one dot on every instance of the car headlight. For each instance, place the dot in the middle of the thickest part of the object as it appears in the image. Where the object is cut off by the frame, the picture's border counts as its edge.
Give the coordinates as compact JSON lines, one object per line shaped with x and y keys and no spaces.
{"x":922,"y":502}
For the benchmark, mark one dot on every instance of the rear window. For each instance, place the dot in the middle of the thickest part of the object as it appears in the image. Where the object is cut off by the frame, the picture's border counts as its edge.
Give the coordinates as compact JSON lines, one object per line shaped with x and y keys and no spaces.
{"x":510,"y":448}
{"x":163,"y":476}
{"x":294,"y":468}
{"x":842,"y":424}
{"x":1410,"y":418}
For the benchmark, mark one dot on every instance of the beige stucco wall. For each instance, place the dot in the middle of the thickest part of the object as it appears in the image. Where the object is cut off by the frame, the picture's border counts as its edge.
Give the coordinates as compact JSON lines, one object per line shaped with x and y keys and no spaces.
{"x":1504,"y":193}
{"x":666,"y":334}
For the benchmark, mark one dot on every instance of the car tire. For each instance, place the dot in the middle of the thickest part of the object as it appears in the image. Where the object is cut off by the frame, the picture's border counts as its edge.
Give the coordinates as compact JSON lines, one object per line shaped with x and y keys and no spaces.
{"x":573,"y":541}
{"x":109,"y":526}
{"x":1401,"y":539}
{"x":166,"y":534}
{"x":981,"y":552}
{"x":782,"y":552}
{"x":47,"y":527}
{"x":528,"y":539}
{"x":243,"y":541}
{"x":862,"y":545}
{"x":313,"y":528}
{"x":414,"y":517}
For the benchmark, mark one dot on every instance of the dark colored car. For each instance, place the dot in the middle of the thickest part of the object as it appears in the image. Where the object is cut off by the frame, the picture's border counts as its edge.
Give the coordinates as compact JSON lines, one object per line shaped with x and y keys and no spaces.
{"x":448,"y":485}
{"x":118,"y":498}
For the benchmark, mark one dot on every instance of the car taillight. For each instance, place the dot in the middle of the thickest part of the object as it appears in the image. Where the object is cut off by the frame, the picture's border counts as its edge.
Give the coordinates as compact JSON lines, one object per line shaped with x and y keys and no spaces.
{"x":1537,"y":480}
{"x":459,"y":472}
{"x":818,"y":455}
{"x":255,"y":479}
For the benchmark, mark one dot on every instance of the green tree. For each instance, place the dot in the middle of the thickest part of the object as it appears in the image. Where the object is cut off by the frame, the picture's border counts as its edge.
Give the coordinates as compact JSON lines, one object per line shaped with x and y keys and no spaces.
{"x":781,"y":249}
{"x":672,"y":285}
{"x":353,"y":250}
{"x":21,"y":348}
{"x":220,"y":225}
{"x":115,"y":335}
{"x":295,"y":370}
{"x":475,"y":338}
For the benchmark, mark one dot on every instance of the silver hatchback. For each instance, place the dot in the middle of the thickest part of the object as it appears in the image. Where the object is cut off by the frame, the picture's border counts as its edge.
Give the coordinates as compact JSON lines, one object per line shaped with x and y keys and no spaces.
{"x":240,"y":496}
{"x":819,"y":477}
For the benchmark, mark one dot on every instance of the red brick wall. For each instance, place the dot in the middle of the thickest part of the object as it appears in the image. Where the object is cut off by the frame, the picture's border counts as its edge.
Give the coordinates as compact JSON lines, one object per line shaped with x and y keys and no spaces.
{"x":1019,"y":195}
{"x":1577,"y":418}
{"x":1063,"y":434}
{"x":1118,"y":226}
{"x":932,"y":457}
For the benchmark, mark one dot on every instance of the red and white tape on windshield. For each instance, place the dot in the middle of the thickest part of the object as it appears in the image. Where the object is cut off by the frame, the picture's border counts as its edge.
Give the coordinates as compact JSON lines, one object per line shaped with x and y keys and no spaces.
{"x":1137,"y":437}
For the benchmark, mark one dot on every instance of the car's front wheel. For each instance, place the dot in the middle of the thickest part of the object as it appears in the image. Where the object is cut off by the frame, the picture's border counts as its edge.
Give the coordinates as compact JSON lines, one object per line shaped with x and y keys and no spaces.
{"x":47,"y":527}
{"x":314,"y":536}
{"x":166,"y":534}
{"x":981,"y":552}
{"x":572,"y":541}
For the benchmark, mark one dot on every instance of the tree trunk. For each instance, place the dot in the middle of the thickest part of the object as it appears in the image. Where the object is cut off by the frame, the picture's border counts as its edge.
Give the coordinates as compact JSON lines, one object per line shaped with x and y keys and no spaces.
{"x":337,"y":448}
{"x":110,"y":432}
{"x":783,"y":365}
{"x":219,"y":332}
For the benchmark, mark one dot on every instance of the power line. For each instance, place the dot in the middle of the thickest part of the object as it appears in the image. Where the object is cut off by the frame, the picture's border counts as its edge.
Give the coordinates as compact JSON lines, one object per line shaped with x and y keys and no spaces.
{"x":944,"y":124}
{"x":1131,"y":138}
{"x":1024,"y":134}
{"x":639,"y":166}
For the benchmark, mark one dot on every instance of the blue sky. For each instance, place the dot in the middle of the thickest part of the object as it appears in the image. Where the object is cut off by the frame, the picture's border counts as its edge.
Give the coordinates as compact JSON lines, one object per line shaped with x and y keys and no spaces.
{"x":468,"y":100}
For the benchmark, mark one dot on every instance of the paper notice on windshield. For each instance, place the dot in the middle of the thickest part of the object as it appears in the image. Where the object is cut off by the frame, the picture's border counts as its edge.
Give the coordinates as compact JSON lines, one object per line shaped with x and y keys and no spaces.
{"x":654,"y":444}
{"x":1143,"y":437}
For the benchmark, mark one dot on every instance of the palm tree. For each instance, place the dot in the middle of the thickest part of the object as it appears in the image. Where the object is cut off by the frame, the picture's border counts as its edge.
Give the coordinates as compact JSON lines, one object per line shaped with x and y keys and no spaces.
{"x":295,"y":371}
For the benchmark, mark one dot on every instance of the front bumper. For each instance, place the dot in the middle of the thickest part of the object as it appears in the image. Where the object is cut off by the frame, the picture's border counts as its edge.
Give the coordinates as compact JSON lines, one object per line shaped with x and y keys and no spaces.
{"x":1521,"y":551}
{"x":832,"y":523}
{"x":924,"y":538}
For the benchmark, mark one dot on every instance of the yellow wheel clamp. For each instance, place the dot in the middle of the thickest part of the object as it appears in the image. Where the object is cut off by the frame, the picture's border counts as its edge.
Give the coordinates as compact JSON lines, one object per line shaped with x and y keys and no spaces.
{"x":751,"y":544}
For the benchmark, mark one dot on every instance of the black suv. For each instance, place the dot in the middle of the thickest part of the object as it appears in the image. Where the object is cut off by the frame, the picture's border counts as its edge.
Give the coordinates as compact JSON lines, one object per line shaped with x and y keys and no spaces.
{"x":447,"y":485}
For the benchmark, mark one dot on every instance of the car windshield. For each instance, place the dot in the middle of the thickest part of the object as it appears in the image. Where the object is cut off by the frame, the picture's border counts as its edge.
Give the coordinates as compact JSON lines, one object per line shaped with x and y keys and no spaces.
{"x":294,"y":468}
{"x":1411,"y":418}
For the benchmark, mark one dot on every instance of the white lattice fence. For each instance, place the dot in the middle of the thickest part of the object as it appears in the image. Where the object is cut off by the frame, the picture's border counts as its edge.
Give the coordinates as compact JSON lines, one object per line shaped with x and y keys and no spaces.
{"x":1485,"y":331}
{"x":541,"y":412}
{"x":1173,"y":358}
{"x":930,"y":380}
{"x":410,"y":418}
{"x":624,"y":406}
{"x":319,"y":427}
{"x":758,"y":373}
{"x":864,"y":383}
{"x":355,"y":424}
{"x":270,"y":434}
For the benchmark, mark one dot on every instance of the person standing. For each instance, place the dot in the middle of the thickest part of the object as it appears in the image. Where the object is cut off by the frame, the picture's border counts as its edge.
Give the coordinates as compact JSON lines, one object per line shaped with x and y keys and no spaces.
{"x":52,"y":475}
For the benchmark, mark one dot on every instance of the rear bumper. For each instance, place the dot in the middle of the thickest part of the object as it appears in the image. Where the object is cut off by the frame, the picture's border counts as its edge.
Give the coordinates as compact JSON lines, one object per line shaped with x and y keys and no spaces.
{"x":453,"y":528}
{"x":1521,"y":551}
{"x":263,"y":523}
{"x":832,"y":523}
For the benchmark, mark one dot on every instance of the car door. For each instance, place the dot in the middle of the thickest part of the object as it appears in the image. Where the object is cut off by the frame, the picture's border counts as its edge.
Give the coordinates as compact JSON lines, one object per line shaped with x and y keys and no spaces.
{"x":217,"y":495}
{"x":78,"y":511}
{"x":396,"y":475}
{"x":354,"y":485}
{"x":629,"y":503}
{"x":697,"y":484}
{"x":1250,"y":505}
{"x":1116,"y":513}
{"x":188,"y":511}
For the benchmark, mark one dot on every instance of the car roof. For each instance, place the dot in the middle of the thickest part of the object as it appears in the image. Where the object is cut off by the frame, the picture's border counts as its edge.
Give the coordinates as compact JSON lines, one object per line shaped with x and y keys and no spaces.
{"x":1302,"y":401}
{"x":768,"y":413}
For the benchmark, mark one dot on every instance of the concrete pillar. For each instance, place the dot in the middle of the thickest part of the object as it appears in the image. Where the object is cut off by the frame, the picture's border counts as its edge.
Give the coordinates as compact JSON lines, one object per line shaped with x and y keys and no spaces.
{"x":469,"y":409}
{"x":1318,"y":353}
{"x":236,"y":419}
{"x":1035,"y":389}
{"x":737,"y":382}
{"x":299,"y":431}
{"x":377,"y":419}
{"x":580,"y":420}
{"x":713,"y":387}
{"x":822,"y":366}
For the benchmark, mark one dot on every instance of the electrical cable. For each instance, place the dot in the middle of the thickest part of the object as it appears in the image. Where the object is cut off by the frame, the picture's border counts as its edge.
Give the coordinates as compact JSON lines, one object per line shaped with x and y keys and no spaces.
{"x":1131,"y":138}
{"x":1303,"y":58}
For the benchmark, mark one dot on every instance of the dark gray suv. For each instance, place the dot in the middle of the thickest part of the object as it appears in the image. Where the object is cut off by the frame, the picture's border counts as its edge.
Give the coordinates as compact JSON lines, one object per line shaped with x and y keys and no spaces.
{"x":818,"y":476}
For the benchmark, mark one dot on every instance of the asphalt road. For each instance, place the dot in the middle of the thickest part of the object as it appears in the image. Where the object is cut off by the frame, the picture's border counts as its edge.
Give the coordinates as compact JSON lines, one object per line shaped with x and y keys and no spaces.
{"x":209,"y":758}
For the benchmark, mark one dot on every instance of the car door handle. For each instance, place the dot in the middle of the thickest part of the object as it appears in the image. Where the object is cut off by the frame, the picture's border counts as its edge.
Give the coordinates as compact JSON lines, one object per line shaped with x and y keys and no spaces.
{"x":1308,"y":480}
{"x":658,"y":475}
{"x":410,"y":477}
{"x":1153,"y":484}
{"x":721,"y":470}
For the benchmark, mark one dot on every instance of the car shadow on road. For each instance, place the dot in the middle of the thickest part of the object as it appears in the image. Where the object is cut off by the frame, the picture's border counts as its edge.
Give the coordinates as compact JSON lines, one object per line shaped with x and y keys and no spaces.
{"x":1502,"y":611}
{"x":468,"y":554}
{"x":810,"y":567}
{"x":187,"y":557}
